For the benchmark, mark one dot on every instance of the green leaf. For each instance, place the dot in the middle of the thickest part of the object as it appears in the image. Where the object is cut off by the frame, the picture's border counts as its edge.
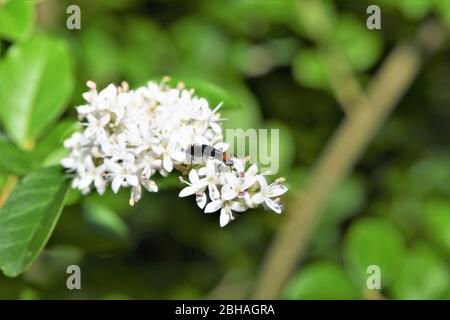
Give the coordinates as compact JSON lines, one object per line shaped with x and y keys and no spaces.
{"x":28,"y":218}
{"x":16,"y":19}
{"x":373,"y":242}
{"x":362,"y":46}
{"x":208,"y":90}
{"x":13,"y":160}
{"x":52,"y":143}
{"x":309,"y":70}
{"x":423,"y":276}
{"x":35,"y":84}
{"x":323,"y":280}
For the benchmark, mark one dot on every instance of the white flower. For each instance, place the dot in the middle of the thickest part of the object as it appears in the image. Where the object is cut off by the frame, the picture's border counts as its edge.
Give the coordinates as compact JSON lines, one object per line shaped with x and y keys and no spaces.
{"x":128,"y":136}
{"x":212,"y":179}
{"x":95,"y":126}
{"x":236,"y":186}
{"x":121,"y":174}
{"x":117,"y":148}
{"x":171,"y":153}
{"x":92,"y":174}
{"x":226,"y":207}
{"x":266,"y":194}
{"x":148,"y":164}
{"x":197,"y":186}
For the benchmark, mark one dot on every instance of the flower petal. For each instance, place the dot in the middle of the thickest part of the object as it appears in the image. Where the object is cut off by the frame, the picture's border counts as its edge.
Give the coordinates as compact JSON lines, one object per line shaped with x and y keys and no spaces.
{"x":258,"y":198}
{"x":150,"y":185}
{"x":210,"y":168}
{"x":193,"y":176}
{"x":248,"y":182}
{"x":215,"y":127}
{"x":222,"y":146}
{"x":213,"y":206}
{"x":262,"y":183}
{"x":201,"y":200}
{"x":214,"y":193}
{"x":167,"y":164}
{"x":252,"y":170}
{"x":116,"y":183}
{"x":187,"y":191}
{"x":132,"y":180}
{"x":178,"y":155}
{"x":228,"y":193}
{"x":238,"y":206}
{"x":225,"y":216}
{"x":276,"y":190}
{"x":273,"y":205}
{"x":231,"y":179}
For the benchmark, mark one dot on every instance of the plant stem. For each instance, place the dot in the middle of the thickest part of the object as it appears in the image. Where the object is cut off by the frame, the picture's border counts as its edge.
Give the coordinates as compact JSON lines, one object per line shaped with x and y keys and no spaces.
{"x":340,"y":155}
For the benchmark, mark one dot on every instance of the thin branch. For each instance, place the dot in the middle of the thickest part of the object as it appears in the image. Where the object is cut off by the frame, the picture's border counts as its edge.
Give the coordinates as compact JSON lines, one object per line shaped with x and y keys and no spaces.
{"x":343,"y":80}
{"x":341,"y":153}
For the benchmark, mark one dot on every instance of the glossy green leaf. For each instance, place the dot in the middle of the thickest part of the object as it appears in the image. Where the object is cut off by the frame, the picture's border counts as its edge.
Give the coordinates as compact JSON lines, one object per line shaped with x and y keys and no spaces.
{"x":35,"y":84}
{"x":28,"y":217}
{"x":323,"y":280}
{"x":52,"y":143}
{"x":373,"y":242}
{"x":424,"y":275}
{"x":16,"y":19}
{"x":13,"y":160}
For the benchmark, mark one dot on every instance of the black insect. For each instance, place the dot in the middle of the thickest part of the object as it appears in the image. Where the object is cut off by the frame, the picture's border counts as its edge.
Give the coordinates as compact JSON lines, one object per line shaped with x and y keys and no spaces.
{"x":199,"y":152}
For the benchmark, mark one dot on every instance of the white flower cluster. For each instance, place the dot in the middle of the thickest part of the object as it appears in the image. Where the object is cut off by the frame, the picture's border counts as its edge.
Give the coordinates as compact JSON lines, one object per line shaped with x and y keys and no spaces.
{"x":129,"y":135}
{"x":232,"y":188}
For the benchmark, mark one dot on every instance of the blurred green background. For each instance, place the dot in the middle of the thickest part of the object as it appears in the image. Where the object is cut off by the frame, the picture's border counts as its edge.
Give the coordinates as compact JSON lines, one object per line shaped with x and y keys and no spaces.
{"x":394,"y":209}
